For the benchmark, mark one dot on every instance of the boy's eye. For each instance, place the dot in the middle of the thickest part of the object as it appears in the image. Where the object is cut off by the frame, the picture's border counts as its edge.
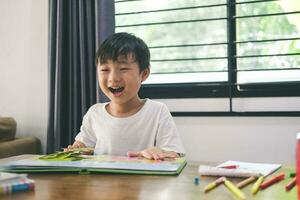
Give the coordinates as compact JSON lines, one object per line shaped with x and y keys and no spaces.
{"x":124,"y":69}
{"x":103,"y":70}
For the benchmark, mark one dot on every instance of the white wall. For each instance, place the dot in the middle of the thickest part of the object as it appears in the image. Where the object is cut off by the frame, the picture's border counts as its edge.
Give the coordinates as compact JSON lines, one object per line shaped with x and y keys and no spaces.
{"x":23,"y":65}
{"x":24,"y":95}
{"x":253,"y":139}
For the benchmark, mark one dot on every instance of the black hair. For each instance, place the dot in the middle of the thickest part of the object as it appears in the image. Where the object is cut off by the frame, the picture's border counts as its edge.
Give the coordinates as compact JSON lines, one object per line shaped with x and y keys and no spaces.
{"x":124,"y":44}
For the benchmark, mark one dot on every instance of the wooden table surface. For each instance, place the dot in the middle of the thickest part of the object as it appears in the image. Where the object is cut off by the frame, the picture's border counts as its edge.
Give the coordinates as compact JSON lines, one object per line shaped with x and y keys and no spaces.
{"x":57,"y":186}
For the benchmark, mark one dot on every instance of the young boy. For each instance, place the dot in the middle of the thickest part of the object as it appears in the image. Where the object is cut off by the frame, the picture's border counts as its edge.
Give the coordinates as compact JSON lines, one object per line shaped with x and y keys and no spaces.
{"x":127,"y":125}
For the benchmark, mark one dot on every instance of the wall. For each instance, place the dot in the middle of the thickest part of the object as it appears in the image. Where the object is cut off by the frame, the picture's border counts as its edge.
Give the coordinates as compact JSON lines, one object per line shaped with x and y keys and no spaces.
{"x":23,"y":65}
{"x":253,"y":139}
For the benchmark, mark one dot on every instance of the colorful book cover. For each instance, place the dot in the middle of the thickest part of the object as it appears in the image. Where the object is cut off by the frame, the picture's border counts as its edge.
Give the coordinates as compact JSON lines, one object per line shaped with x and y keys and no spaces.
{"x":12,"y":182}
{"x":99,"y":164}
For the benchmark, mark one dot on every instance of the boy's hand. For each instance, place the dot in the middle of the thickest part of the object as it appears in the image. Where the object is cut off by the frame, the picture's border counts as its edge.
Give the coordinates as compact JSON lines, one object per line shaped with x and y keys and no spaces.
{"x":75,"y":145}
{"x":154,"y":153}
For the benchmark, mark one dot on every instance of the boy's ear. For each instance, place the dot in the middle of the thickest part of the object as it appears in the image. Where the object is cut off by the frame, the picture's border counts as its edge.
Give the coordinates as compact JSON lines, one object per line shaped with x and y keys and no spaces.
{"x":145,"y":73}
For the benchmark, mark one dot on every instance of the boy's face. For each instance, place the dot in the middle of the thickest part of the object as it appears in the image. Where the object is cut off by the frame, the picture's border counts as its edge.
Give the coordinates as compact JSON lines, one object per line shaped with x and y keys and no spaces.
{"x":121,"y":80}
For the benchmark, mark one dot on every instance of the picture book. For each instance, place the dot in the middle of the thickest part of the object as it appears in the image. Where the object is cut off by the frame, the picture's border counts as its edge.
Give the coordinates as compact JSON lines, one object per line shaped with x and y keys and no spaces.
{"x":21,"y":186}
{"x":98,"y":164}
{"x":239,"y":169}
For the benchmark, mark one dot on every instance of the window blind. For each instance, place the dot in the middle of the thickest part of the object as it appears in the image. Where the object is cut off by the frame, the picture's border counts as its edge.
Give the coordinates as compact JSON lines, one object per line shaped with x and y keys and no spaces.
{"x":184,"y":48}
{"x":268,"y":47}
{"x":217,"y":48}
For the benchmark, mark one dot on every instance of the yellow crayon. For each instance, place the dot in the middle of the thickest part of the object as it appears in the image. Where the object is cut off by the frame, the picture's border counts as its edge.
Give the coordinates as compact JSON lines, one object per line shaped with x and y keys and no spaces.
{"x":246,"y":182}
{"x":214,"y":184}
{"x":256,"y":185}
{"x":236,"y":191}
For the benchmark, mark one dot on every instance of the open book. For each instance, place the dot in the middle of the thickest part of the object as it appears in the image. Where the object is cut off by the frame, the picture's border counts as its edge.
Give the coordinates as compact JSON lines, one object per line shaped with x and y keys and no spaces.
{"x":99,"y":164}
{"x":242,"y":169}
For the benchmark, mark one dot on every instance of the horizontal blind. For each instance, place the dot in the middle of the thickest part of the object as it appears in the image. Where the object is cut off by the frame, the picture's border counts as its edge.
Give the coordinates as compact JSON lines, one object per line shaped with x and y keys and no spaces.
{"x":187,"y":39}
{"x":267,"y":41}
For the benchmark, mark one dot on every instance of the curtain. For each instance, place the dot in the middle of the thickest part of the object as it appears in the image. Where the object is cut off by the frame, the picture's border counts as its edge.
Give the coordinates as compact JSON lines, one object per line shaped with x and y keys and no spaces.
{"x":76,"y":28}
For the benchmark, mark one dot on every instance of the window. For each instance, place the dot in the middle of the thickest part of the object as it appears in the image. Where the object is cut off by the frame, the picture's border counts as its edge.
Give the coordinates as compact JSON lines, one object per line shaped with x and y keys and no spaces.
{"x":217,"y":48}
{"x":268,"y":47}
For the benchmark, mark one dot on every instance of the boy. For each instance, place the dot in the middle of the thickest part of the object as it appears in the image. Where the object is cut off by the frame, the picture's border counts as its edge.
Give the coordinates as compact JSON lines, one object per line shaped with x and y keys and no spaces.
{"x":127,"y":125}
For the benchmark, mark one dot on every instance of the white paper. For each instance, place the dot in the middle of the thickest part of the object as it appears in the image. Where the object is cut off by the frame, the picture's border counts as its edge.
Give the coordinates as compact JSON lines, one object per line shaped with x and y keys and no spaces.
{"x":264,"y":169}
{"x":244,"y":169}
{"x":205,"y":170}
{"x":10,"y":177}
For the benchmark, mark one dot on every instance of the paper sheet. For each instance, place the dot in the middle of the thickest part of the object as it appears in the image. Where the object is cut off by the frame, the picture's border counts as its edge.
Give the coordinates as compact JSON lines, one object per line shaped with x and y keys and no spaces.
{"x":244,"y":169}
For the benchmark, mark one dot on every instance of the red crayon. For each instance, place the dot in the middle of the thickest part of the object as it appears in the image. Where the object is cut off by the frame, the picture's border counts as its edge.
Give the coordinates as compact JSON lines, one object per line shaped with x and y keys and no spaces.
{"x":229,"y":167}
{"x":272,"y":180}
{"x":290,"y":184}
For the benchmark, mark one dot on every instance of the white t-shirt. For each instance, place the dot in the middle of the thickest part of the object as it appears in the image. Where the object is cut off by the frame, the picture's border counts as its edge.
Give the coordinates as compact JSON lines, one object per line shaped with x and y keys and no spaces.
{"x":151,"y":126}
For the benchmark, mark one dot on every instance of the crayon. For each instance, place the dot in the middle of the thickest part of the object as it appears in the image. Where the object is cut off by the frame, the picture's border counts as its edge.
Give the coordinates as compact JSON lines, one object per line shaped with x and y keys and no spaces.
{"x":214,"y":184}
{"x":229,"y":167}
{"x":256,"y":185}
{"x":272,"y":180}
{"x":236,"y":191}
{"x":196,"y":180}
{"x":292,"y":174}
{"x":290,"y":184}
{"x":246,"y":182}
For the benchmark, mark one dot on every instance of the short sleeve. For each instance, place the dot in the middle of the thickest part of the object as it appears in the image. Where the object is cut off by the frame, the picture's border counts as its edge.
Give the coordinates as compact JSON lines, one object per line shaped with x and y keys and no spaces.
{"x":86,"y":134}
{"x":168,"y":137}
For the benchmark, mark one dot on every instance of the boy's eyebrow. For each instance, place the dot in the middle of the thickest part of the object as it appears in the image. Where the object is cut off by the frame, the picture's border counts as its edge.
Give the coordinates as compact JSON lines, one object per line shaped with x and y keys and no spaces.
{"x":126,"y":58}
{"x":123,"y":61}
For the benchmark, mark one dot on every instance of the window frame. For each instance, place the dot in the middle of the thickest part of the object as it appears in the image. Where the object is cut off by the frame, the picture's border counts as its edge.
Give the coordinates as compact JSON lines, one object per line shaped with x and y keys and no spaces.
{"x":223,"y":89}
{"x":228,"y":89}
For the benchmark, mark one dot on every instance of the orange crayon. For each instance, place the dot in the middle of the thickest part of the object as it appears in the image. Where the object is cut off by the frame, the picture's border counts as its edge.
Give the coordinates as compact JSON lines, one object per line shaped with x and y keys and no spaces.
{"x":272,"y":180}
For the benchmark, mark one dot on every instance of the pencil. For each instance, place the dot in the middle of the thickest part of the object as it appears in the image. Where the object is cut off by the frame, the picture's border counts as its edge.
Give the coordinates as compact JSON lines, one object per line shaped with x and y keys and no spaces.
{"x":256,"y":185}
{"x":246,"y":182}
{"x":214,"y":184}
{"x":272,"y":180}
{"x":236,"y":191}
{"x":290,"y":184}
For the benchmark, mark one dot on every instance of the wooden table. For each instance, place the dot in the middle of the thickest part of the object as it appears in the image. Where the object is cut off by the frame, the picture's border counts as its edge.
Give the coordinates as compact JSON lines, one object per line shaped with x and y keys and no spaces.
{"x":56,"y":186}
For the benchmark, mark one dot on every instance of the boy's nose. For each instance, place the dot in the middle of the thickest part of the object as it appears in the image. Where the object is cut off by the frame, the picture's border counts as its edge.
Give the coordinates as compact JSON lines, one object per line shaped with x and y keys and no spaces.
{"x":114,"y":76}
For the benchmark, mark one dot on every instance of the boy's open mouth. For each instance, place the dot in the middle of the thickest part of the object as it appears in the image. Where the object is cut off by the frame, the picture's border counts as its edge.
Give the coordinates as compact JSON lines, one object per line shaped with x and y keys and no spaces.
{"x":116,"y":90}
